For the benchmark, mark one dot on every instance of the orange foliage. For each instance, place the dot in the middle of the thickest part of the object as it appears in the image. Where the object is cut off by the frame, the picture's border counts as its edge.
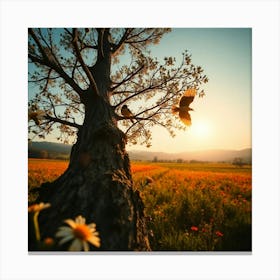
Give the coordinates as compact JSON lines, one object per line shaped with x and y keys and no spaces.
{"x":142,"y":168}
{"x":47,"y":165}
{"x":42,"y":170}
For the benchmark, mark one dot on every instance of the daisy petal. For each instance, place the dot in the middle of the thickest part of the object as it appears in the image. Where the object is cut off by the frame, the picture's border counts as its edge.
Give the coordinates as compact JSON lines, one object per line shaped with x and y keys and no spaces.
{"x":76,"y":245}
{"x":80,"y":220}
{"x":94,"y":240}
{"x":71,"y":223}
{"x":63,"y":231}
{"x":92,"y":226}
{"x":85,"y":245}
{"x":65,"y":239}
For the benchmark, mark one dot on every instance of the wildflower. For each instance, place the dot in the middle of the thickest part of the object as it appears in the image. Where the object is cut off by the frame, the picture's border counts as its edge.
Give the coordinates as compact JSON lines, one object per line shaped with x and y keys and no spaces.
{"x":48,"y":241}
{"x":193,"y":228}
{"x":80,"y":233}
{"x":35,"y":209}
{"x":149,"y":180}
{"x":220,"y":234}
{"x":38,"y":207}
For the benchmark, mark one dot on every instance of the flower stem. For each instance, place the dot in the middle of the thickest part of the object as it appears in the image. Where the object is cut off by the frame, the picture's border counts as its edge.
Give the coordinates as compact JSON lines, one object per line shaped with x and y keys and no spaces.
{"x":36,"y":226}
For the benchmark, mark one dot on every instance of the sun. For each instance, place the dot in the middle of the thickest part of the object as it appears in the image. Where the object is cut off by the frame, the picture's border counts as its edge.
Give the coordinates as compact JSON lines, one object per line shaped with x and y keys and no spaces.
{"x":201,"y":129}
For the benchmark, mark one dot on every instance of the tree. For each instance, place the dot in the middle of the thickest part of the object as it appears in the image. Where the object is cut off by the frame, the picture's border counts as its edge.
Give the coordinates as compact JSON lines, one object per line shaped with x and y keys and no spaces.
{"x":82,"y":85}
{"x":238,"y":161}
{"x":155,"y":159}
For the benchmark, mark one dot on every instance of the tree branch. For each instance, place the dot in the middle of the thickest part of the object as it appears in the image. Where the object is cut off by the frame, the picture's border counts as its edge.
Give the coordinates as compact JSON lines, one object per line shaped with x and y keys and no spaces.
{"x":60,"y":71}
{"x":53,"y":107}
{"x":52,"y":119}
{"x":84,"y":66}
{"x":122,"y":40}
{"x":46,"y":61}
{"x":42,"y":79}
{"x":137,"y":93}
{"x":128,"y":77}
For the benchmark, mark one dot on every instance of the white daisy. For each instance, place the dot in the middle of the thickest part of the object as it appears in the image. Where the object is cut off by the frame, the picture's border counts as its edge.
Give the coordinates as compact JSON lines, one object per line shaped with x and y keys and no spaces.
{"x":80,"y":233}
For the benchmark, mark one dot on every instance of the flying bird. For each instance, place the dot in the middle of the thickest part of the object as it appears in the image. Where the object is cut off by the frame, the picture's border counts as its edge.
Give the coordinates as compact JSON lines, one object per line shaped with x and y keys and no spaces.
{"x":126,"y":112}
{"x":184,"y":108}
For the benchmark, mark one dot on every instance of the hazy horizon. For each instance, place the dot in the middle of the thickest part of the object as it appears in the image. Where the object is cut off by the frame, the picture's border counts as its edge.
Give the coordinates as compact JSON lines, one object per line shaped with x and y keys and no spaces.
{"x":144,"y":149}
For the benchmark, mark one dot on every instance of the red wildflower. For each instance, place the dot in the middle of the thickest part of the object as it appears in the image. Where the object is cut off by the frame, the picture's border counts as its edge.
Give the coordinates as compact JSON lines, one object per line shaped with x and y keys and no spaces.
{"x":48,"y":241}
{"x":194,"y":228}
{"x":218,"y":233}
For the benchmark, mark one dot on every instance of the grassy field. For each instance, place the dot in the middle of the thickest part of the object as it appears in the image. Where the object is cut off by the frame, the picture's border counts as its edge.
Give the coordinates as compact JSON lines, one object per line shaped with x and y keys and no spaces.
{"x":189,"y":206}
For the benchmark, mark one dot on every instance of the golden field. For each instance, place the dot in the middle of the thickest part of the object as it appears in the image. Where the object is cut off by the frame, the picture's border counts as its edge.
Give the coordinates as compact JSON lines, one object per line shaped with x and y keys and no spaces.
{"x":189,"y":206}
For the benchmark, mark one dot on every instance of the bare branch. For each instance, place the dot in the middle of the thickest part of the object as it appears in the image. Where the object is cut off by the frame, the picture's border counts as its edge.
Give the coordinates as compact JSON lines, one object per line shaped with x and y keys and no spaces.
{"x":84,"y":66}
{"x":57,"y":120}
{"x":60,"y":71}
{"x":145,"y":90}
{"x":122,"y":40}
{"x":43,"y":79}
{"x":47,"y":61}
{"x":128,"y":77}
{"x":53,"y":107}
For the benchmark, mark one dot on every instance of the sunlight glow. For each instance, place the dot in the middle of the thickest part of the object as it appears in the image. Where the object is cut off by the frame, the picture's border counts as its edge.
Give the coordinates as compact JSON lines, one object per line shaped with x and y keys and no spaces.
{"x":201,"y":129}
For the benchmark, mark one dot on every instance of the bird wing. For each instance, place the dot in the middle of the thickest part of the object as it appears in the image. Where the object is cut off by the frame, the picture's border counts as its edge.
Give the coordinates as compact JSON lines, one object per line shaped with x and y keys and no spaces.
{"x":185,"y":101}
{"x":188,"y":97}
{"x":185,"y":117}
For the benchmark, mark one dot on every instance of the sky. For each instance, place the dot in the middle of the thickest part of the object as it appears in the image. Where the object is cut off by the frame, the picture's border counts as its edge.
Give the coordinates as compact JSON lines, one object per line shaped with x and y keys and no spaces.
{"x":222,"y":118}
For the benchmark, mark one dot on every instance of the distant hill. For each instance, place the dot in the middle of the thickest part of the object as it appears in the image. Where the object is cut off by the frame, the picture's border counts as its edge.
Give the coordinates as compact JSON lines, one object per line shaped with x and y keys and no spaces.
{"x":58,"y":150}
{"x":49,"y":150}
{"x":206,"y":155}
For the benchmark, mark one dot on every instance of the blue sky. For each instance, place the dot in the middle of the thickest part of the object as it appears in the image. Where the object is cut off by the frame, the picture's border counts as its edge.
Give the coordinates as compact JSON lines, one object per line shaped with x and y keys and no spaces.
{"x":222,"y":119}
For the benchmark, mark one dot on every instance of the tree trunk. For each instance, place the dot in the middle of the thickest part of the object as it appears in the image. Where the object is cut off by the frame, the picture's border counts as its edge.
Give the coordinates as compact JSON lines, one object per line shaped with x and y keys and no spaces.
{"x":98,"y":185}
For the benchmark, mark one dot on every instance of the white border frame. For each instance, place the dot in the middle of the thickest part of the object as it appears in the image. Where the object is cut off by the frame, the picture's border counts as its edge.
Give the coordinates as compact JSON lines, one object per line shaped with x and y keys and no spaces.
{"x":262,"y":16}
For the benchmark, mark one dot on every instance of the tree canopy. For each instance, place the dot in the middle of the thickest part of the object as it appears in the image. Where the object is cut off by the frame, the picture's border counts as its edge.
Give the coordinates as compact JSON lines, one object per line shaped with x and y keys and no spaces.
{"x":63,"y":75}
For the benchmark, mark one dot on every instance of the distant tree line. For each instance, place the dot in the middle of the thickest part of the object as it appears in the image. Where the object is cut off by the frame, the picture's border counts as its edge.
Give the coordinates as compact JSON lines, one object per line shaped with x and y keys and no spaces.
{"x":238,"y":161}
{"x":44,"y":154}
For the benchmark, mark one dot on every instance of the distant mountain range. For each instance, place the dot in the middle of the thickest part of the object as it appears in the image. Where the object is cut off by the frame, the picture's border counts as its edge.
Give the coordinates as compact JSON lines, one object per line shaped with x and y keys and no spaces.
{"x":50,"y":147}
{"x":204,"y":155}
{"x":58,"y":150}
{"x":48,"y":150}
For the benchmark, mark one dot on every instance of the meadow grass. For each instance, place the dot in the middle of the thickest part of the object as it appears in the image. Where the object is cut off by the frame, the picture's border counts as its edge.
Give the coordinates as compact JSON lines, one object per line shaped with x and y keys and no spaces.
{"x":188,"y":206}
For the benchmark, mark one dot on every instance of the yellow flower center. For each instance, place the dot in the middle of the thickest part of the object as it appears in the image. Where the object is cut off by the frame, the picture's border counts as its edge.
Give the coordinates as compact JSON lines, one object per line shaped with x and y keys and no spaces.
{"x":82,"y":232}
